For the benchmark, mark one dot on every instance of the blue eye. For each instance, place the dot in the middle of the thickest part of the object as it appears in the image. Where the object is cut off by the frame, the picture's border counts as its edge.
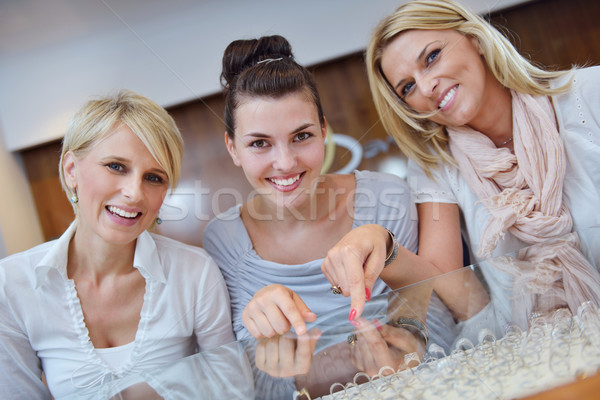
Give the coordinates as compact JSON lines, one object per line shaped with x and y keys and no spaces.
{"x":431,"y":57}
{"x":153,"y":178}
{"x":406,"y":89}
{"x":116,"y":167}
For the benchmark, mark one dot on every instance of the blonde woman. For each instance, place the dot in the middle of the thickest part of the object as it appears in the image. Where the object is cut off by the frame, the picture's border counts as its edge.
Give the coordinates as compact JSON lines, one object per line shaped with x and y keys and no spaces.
{"x":108,"y":299}
{"x":506,"y":147}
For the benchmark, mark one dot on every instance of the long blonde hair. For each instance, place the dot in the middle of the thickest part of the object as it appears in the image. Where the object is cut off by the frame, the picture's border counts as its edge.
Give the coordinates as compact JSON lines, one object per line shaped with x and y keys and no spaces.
{"x":419,"y":138}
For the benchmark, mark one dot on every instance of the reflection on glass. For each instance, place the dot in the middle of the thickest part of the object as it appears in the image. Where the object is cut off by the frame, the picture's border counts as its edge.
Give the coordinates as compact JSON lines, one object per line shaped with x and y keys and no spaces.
{"x":410,"y":344}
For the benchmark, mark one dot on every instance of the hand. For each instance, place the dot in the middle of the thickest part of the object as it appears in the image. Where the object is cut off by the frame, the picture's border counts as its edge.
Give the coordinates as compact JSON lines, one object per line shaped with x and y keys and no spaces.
{"x":284,"y":356}
{"x":355,"y":262}
{"x":273,"y":310}
{"x":380,"y":345}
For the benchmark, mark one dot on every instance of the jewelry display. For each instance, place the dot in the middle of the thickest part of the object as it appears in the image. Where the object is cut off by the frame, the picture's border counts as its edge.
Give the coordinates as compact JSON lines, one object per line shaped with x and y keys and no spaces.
{"x":556,"y":348}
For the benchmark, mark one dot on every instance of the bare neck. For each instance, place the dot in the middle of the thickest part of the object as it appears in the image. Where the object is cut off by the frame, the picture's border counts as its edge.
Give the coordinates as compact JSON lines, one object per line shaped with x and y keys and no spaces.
{"x":495,"y":118}
{"x":96,"y":260}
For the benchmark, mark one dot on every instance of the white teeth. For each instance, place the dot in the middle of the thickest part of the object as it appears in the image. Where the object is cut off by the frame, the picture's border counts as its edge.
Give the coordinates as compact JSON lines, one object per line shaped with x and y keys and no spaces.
{"x":447,"y":97}
{"x":285,"y":182}
{"x":122,"y":213}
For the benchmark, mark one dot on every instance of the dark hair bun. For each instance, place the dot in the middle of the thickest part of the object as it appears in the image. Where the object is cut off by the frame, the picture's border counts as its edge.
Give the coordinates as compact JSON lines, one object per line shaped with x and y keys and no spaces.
{"x":243,"y":54}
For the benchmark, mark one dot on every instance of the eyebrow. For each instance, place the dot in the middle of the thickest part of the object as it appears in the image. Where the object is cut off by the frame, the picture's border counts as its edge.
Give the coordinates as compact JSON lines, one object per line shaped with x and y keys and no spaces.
{"x":260,"y":135}
{"x":419,"y":57}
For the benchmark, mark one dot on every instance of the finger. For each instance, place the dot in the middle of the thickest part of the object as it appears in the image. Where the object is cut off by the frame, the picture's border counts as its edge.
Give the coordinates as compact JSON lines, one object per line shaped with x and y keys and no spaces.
{"x":295,"y":313}
{"x":273,"y":356}
{"x":260,"y":355}
{"x":305,"y":349}
{"x":328,"y":267}
{"x":373,"y":266}
{"x":357,"y":293}
{"x":287,"y":356}
{"x":252,"y":328}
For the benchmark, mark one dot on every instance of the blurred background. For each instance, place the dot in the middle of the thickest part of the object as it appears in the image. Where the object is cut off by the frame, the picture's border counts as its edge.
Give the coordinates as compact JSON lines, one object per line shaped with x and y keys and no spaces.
{"x":56,"y":54}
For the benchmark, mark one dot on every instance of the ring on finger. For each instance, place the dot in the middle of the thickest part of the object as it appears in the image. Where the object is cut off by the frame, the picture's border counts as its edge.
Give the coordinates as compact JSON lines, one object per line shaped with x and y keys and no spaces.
{"x":352,"y":339}
{"x":335,"y":289}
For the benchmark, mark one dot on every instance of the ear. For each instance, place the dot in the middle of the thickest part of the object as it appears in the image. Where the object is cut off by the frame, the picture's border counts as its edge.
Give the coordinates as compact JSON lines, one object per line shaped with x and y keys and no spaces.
{"x":476,"y":44}
{"x":324,"y":128}
{"x":69,"y":166}
{"x":232,"y":151}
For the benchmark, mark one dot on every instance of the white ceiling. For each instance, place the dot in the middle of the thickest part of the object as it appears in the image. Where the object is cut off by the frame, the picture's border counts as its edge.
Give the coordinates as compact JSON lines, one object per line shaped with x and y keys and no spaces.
{"x":54,"y":54}
{"x":27,"y":25}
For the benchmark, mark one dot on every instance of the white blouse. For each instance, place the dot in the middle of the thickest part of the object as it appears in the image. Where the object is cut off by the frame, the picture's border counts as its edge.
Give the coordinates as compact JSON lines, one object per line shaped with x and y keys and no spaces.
{"x":185,"y":309}
{"x":578,"y":115}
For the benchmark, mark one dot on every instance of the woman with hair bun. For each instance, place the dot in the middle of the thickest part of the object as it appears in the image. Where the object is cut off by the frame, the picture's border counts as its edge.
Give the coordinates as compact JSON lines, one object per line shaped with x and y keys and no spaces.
{"x":275,"y":251}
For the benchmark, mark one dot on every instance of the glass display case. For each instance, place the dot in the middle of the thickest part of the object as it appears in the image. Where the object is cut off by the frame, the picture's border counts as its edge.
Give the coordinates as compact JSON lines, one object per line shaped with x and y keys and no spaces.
{"x":504,"y":335}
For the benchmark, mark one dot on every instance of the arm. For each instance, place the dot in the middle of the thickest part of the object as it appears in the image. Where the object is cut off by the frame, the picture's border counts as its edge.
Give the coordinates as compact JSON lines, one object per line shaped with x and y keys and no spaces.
{"x":440,"y":244}
{"x":20,"y":368}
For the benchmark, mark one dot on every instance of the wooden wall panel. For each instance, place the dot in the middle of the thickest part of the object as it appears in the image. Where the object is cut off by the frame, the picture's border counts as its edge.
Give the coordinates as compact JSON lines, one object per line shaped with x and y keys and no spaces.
{"x":551,"y":32}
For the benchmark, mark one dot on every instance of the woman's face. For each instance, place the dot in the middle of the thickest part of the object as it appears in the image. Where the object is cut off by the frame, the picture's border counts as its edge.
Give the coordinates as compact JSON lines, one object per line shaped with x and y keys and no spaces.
{"x":279,"y":143}
{"x":120,"y":187}
{"x":438,"y":70}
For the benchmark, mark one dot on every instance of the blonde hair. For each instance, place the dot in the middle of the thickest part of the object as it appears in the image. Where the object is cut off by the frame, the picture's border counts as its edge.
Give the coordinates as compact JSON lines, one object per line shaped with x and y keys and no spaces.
{"x":151,"y":123}
{"x":419,"y":138}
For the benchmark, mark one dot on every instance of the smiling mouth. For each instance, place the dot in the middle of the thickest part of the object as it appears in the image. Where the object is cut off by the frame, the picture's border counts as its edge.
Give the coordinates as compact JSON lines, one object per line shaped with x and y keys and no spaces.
{"x":122,"y":213}
{"x":285,"y":182}
{"x":447,"y":97}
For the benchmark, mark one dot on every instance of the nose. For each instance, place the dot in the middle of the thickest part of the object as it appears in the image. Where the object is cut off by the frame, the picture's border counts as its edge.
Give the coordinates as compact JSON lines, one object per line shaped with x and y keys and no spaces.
{"x":285,"y":158}
{"x":427,"y":85}
{"x":132,"y":188}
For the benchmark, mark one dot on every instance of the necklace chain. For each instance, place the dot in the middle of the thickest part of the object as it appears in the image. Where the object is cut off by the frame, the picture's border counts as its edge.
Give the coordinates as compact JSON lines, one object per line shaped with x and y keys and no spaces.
{"x":506,"y":141}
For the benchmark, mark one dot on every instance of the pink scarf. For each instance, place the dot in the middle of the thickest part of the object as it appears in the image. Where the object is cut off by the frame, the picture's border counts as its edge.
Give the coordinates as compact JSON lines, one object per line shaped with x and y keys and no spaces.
{"x":524,"y":193}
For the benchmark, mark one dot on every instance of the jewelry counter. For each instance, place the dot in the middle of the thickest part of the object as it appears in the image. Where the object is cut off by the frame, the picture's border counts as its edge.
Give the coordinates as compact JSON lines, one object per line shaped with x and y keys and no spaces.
{"x":519,"y":338}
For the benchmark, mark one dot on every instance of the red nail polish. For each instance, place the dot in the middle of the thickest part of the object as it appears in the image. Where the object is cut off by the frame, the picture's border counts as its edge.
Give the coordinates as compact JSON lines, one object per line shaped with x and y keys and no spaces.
{"x":352,"y":314}
{"x":368,"y":293}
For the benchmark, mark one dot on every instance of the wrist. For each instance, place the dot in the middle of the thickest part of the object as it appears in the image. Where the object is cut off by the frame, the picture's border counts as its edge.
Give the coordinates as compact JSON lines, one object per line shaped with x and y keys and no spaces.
{"x":412,"y":325}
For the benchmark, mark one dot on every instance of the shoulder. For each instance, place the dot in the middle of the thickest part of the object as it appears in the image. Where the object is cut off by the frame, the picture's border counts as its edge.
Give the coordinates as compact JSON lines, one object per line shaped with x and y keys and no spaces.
{"x":225,"y":238}
{"x":226,"y":223}
{"x":385,"y":199}
{"x":23,"y":263}
{"x":168,"y":246}
{"x":372,"y":178}
{"x":585,"y":83}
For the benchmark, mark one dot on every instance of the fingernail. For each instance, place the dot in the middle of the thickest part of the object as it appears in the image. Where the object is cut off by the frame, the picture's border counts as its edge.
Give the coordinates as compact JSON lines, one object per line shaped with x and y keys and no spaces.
{"x":368,"y":293}
{"x":352,"y":314}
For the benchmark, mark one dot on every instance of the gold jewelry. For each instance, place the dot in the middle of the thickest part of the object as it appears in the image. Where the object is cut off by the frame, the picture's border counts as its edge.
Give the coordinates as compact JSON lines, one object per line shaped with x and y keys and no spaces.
{"x":393,"y":252}
{"x":335,"y":289}
{"x":352,"y":339}
{"x":158,"y":220}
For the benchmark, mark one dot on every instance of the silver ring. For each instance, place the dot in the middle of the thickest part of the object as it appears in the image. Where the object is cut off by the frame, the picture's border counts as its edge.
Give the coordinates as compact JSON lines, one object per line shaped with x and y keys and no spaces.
{"x":336,"y":289}
{"x":352,"y":339}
